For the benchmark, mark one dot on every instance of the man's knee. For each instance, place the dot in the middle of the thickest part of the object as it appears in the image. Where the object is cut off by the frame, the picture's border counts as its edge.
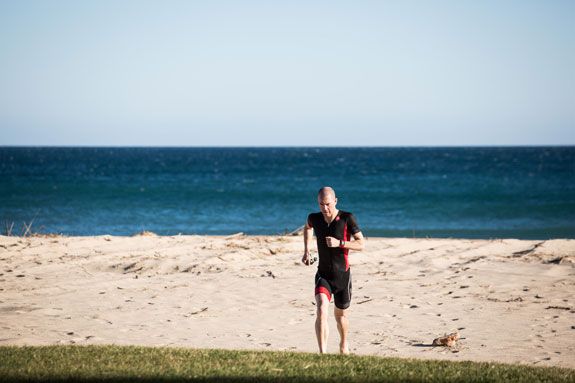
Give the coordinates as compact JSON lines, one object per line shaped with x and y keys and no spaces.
{"x":340,"y":314}
{"x":322,"y":303}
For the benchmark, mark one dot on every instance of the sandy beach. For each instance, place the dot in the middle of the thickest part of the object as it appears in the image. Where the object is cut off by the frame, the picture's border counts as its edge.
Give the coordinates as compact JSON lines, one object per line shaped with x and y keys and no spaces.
{"x":511,"y":300}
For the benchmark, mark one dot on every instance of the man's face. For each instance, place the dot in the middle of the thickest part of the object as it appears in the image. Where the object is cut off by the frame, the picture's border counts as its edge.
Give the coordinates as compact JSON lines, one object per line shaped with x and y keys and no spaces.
{"x":327,"y":204}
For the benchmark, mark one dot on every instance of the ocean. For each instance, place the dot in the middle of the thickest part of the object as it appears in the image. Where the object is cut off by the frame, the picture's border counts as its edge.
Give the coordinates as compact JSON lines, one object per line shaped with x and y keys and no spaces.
{"x":459,"y":192}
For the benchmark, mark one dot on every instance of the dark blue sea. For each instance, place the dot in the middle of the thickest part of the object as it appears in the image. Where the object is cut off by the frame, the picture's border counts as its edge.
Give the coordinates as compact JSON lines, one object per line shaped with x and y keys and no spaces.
{"x":484,"y":192}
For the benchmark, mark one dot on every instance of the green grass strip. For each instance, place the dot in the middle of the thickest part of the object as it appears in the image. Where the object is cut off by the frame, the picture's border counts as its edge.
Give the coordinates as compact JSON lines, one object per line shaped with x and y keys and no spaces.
{"x":161,"y":364}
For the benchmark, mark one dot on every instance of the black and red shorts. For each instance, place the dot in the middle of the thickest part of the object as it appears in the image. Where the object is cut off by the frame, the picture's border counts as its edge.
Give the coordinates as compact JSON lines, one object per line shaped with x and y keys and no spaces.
{"x":339,"y":288}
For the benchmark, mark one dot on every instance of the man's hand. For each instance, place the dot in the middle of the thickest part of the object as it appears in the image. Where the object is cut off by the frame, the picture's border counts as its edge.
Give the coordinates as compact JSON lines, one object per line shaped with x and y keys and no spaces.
{"x":332,"y":242}
{"x":306,"y":258}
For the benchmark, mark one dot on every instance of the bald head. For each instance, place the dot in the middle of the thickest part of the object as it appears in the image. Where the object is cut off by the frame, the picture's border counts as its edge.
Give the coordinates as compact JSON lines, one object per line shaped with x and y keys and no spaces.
{"x":325,"y":192}
{"x":327,"y":201}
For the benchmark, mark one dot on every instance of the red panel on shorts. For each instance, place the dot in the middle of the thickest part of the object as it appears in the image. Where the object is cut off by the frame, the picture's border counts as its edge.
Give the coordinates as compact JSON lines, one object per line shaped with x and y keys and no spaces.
{"x":323,"y":290}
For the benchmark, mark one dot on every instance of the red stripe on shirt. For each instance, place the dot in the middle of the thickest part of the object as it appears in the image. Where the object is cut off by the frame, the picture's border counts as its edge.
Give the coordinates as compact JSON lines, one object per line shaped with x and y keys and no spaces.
{"x":346,"y":238}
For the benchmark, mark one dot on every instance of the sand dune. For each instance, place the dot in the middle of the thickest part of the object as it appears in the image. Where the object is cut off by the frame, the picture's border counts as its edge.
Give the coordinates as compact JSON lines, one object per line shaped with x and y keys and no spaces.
{"x":510,"y":300}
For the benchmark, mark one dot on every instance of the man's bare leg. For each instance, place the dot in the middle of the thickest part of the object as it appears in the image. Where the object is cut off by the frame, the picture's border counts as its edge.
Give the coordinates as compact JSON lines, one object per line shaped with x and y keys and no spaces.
{"x":321,"y":327}
{"x":342,"y":327}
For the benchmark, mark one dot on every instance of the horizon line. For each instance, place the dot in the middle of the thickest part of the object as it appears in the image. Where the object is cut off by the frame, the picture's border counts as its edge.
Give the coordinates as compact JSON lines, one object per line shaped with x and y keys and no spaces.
{"x":290,"y":146}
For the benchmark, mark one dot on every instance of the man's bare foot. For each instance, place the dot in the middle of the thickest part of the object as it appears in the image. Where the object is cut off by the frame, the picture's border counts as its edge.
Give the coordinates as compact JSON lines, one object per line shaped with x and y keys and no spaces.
{"x":344,"y":350}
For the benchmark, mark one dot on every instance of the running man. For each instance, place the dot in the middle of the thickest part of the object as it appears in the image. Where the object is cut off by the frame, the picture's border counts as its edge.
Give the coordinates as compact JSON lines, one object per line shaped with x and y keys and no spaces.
{"x":334,"y":229}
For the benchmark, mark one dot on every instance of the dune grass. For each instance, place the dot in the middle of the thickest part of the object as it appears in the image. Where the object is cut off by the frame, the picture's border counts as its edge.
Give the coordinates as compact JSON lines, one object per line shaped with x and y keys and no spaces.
{"x":153,"y":364}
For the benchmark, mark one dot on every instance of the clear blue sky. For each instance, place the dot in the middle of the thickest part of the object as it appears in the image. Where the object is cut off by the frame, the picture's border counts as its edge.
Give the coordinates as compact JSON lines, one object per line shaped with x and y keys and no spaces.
{"x":291,"y":73}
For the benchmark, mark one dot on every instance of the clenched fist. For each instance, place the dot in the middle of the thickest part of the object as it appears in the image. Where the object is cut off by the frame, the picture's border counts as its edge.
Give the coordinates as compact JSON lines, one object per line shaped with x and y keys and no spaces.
{"x":332,"y":242}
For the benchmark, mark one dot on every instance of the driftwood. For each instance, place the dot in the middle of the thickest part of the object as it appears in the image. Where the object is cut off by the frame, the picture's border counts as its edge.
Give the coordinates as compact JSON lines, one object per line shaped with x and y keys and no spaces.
{"x":298,"y":231}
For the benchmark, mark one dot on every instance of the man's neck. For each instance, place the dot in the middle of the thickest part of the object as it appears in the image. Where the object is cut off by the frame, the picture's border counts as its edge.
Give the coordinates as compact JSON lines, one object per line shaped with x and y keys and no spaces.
{"x":330,"y":219}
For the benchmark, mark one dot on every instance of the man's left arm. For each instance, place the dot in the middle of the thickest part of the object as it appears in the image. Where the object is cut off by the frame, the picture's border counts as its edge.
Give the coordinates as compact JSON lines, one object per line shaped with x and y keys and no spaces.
{"x":357,"y":245}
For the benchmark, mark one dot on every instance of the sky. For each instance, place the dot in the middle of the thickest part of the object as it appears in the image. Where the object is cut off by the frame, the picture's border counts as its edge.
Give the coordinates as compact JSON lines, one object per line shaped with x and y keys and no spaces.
{"x":290,"y":73}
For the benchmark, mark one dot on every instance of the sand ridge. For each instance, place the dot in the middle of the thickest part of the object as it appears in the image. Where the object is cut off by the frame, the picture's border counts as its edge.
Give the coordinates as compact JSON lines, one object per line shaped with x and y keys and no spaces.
{"x":510,"y":300}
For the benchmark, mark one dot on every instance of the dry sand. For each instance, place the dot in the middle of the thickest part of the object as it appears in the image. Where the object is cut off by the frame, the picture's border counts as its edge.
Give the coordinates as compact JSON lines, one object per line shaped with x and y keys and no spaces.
{"x":511,"y":300}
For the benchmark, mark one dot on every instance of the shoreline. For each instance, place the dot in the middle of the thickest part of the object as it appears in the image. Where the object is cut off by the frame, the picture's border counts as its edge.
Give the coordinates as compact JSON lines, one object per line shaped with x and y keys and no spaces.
{"x":511,"y":300}
{"x":287,"y":233}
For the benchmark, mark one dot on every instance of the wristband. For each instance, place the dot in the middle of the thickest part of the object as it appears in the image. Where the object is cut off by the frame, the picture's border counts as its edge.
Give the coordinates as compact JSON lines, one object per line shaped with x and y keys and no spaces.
{"x":341,"y":243}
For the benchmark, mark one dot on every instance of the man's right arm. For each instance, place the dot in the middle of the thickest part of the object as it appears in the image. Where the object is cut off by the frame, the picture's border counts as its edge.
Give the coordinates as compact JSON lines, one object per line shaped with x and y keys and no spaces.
{"x":307,"y":241}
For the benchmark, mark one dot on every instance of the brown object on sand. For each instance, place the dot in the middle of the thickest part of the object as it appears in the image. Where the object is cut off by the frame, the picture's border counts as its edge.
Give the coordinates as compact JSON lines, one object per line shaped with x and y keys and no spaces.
{"x":446,"y":340}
